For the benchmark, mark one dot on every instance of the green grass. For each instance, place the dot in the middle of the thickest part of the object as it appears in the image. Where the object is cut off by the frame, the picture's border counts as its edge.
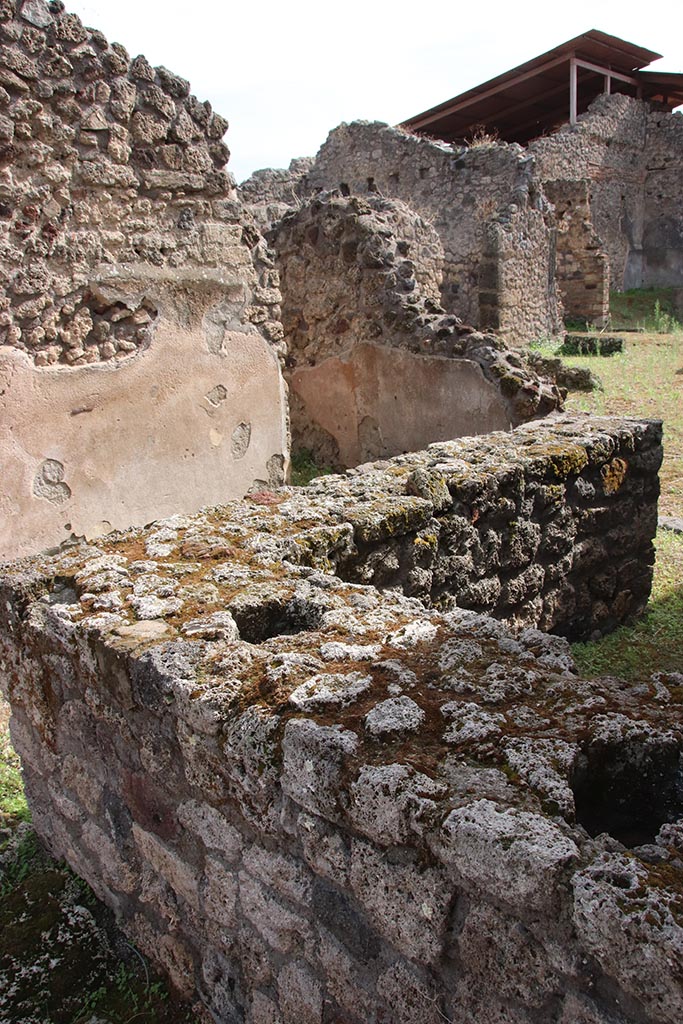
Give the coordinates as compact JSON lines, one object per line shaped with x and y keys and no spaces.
{"x":648,"y":309}
{"x":21,"y":856}
{"x":645,"y":380}
{"x":304,"y":469}
{"x":663,"y":322}
{"x":13,"y":808}
{"x":62,"y":960}
{"x":546,"y":346}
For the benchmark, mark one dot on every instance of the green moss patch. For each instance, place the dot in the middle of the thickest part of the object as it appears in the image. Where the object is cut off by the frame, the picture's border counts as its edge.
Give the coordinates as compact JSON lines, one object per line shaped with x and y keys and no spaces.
{"x":62,"y":960}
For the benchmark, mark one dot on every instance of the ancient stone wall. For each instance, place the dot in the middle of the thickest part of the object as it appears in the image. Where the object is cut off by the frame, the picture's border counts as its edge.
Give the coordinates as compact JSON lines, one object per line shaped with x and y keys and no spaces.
{"x":311,"y":801}
{"x":374,"y":365}
{"x":582,"y":267}
{"x":606,"y":148}
{"x":550,"y":525}
{"x":662,"y":255}
{"x":506,"y":262}
{"x":629,"y":154}
{"x":270,"y":193}
{"x":519,"y":296}
{"x":494,"y":224}
{"x":139,"y":307}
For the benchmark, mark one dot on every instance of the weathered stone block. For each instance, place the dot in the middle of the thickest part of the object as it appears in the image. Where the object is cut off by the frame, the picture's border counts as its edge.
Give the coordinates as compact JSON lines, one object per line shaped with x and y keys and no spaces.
{"x":167,"y":863}
{"x":300,"y":995}
{"x":282,"y":928}
{"x":407,"y":903}
{"x":393,"y":803}
{"x":519,"y":857}
{"x":214,"y":829}
{"x":219,"y":893}
{"x":314,"y":758}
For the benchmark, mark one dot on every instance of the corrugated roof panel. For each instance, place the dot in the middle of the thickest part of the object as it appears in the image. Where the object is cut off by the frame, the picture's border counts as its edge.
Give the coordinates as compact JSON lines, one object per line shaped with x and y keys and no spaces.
{"x":529,"y":97}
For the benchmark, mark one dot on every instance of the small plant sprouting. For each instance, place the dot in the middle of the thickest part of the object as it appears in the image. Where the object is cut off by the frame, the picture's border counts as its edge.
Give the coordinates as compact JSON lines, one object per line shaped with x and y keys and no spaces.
{"x":13,"y":807}
{"x":91,"y":1001}
{"x":483,"y":135}
{"x":21,"y":864}
{"x":304,"y":468}
{"x":663,"y":322}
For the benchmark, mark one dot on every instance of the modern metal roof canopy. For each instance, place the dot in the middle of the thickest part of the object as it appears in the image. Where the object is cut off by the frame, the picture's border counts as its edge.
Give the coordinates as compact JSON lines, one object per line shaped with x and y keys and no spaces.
{"x":550,"y":90}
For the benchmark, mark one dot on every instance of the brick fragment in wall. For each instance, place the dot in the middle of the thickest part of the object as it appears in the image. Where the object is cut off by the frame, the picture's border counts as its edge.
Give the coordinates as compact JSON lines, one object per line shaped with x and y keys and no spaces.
{"x":292,"y":863}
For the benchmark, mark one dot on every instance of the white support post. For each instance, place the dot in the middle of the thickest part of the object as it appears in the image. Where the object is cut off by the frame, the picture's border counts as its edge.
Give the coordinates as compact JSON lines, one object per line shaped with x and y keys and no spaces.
{"x":573,"y":91}
{"x":608,"y":85}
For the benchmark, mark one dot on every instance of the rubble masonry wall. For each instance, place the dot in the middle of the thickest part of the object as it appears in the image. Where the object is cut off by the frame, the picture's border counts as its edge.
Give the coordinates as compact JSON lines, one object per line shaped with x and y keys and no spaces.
{"x":582,"y":265}
{"x":271,"y":193}
{"x":311,"y":801}
{"x":139,"y":308}
{"x":662,"y":257}
{"x":494,"y":223}
{"x":606,"y":147}
{"x":374,"y":365}
{"x":500,"y":265}
{"x":630,"y":156}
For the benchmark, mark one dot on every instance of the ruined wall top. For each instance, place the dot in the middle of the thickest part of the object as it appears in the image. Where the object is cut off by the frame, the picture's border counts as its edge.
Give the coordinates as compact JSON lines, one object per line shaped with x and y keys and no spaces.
{"x":615,"y":122}
{"x":271,"y":192}
{"x":98,"y":89}
{"x":484,"y":201}
{"x":105,"y":162}
{"x":359,"y":269}
{"x":493,"y":156}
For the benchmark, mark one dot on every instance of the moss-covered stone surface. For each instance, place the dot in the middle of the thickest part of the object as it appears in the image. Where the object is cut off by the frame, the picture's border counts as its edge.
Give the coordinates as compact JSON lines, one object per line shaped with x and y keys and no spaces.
{"x":62,"y":958}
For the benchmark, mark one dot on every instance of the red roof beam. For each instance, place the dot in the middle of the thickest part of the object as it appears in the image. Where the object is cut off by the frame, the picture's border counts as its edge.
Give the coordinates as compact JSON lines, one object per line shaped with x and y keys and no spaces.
{"x":501,"y":114}
{"x":606,"y":72}
{"x":421,"y":122}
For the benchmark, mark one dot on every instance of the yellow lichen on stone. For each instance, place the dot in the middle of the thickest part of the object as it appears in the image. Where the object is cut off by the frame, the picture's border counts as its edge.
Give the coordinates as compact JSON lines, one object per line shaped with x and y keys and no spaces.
{"x":613,"y":475}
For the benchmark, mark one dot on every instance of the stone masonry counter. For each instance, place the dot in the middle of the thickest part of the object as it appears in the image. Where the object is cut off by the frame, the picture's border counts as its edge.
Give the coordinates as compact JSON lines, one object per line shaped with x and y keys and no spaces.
{"x":550,"y":525}
{"x":140,"y":332}
{"x":312,"y":801}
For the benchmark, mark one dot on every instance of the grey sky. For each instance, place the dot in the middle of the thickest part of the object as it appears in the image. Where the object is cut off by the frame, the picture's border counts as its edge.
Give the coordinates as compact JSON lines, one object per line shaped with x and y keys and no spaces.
{"x":285,"y":73}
